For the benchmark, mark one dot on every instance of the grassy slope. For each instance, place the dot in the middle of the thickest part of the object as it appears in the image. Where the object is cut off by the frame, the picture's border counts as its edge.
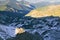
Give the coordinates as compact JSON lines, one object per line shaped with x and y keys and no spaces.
{"x":51,"y":10}
{"x":2,"y":8}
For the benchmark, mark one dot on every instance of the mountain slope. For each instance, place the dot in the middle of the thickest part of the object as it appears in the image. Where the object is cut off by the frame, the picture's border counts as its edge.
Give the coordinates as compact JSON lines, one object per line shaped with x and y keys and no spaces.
{"x":41,"y":4}
{"x":2,"y":8}
{"x":45,"y":3}
{"x":14,"y":6}
{"x":19,"y":6}
{"x":6,"y":32}
{"x":52,"y":10}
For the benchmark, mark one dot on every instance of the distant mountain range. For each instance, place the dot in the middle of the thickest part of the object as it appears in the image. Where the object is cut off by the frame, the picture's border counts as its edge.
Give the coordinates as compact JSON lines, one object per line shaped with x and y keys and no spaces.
{"x":23,"y":7}
{"x":3,"y":2}
{"x":44,"y":3}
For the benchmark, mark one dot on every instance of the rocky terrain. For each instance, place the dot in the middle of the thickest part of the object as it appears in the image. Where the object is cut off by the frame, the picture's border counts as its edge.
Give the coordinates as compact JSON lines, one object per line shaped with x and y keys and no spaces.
{"x":18,"y":23}
{"x":47,"y":27}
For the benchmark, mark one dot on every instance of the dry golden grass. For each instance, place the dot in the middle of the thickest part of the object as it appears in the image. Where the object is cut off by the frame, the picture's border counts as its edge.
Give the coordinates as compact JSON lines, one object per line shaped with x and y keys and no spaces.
{"x":2,"y":8}
{"x":52,"y":10}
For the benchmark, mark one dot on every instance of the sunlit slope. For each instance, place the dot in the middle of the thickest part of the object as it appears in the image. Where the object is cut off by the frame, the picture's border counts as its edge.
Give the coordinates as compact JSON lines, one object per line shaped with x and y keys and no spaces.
{"x":19,"y":30}
{"x":2,"y":8}
{"x":52,"y":10}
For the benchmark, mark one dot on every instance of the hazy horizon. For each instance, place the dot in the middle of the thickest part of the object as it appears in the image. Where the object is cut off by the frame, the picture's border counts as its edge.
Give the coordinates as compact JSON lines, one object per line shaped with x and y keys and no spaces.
{"x":36,"y":1}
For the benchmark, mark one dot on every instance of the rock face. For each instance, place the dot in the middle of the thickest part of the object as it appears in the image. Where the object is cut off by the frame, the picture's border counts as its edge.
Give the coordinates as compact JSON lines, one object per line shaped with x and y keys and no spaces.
{"x":19,"y":30}
{"x":6,"y":32}
{"x":26,"y":36}
{"x":19,"y":7}
{"x":9,"y":31}
{"x":46,"y":27}
{"x":1,"y":38}
{"x":51,"y":10}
